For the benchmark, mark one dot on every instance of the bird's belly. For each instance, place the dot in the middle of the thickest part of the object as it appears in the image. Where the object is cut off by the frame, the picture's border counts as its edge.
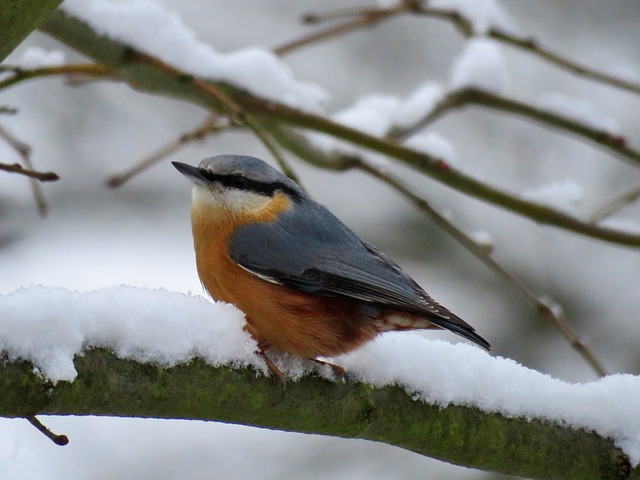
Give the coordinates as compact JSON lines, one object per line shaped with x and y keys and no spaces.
{"x":299,"y":323}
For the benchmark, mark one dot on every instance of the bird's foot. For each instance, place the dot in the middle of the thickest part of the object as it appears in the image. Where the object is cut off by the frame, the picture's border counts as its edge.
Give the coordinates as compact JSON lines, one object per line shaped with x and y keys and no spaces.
{"x":337,"y":370}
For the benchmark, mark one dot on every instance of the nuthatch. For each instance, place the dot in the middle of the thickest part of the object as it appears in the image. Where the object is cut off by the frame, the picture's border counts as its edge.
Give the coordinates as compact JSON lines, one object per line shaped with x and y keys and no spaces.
{"x":307,"y":284}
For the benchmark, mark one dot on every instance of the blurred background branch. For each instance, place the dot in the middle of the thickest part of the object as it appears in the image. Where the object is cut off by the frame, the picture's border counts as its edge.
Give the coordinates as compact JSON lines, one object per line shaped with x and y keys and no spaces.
{"x":367,"y":16}
{"x":24,"y":151}
{"x":155,"y":76}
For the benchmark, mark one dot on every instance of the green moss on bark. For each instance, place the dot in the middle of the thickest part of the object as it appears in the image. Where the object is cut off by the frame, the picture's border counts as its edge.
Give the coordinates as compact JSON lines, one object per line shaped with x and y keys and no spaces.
{"x":461,"y":435}
{"x":18,"y":18}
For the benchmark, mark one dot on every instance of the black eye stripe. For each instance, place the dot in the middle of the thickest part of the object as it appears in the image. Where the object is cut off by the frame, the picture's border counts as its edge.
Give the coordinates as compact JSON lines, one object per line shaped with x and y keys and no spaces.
{"x":240,"y":182}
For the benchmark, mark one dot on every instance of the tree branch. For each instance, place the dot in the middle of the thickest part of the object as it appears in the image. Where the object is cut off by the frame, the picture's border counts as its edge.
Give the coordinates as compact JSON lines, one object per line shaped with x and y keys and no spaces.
{"x":209,"y":126}
{"x":20,"y":75}
{"x":361,"y":17}
{"x":24,"y":151}
{"x":18,"y":18}
{"x":17,"y":168}
{"x":616,"y":204}
{"x":474,"y":96}
{"x":146,"y":76}
{"x":462,"y":435}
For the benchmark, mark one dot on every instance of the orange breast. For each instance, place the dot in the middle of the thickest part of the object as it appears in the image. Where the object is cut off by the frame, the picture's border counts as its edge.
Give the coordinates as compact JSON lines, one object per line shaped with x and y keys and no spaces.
{"x":300,"y":323}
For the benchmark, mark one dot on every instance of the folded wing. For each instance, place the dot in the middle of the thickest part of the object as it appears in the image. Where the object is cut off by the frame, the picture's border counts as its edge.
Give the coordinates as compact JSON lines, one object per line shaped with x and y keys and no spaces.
{"x":327,"y":258}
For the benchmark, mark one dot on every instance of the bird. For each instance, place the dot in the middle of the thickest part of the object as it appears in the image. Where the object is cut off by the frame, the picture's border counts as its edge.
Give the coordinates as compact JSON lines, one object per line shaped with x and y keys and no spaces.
{"x":307,"y":284}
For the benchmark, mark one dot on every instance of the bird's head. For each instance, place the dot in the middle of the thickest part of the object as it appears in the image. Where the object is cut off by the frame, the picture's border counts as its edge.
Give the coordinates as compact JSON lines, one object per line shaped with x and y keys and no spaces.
{"x":238,"y":184}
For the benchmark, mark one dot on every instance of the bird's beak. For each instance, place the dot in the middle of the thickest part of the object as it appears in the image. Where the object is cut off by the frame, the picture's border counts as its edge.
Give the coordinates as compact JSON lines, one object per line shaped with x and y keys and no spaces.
{"x":192,"y":173}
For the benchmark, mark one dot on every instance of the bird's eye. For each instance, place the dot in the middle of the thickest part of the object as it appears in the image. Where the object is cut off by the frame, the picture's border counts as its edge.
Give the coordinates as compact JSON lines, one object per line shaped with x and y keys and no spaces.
{"x":239,"y":182}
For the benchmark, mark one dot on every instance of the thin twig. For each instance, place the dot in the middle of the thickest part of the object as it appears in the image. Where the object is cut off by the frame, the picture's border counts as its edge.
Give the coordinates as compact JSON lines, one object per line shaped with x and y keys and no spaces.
{"x":533,"y":46}
{"x":361,"y":21}
{"x":361,"y":17}
{"x":616,"y":204}
{"x":272,"y":114}
{"x":60,"y":440}
{"x":17,"y":168}
{"x":4,"y":110}
{"x":207,"y":127}
{"x":25,"y":153}
{"x":458,"y":99}
{"x":82,"y":69}
{"x":551,"y":314}
{"x":239,"y":115}
{"x":236,"y":112}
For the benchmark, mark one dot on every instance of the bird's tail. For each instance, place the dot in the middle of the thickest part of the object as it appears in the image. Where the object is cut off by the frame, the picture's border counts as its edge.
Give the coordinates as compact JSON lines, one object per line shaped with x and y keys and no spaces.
{"x":463,"y":329}
{"x":399,"y":321}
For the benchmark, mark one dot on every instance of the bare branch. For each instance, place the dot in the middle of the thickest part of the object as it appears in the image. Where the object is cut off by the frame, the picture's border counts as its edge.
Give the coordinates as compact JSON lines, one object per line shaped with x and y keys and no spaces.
{"x":208,"y":127}
{"x":60,"y":440}
{"x":8,"y":110}
{"x":532,"y":46}
{"x":17,"y":168}
{"x":362,"y":20}
{"x":25,"y":153}
{"x":616,"y":204}
{"x":474,"y":96}
{"x":361,"y":17}
{"x":236,"y":112}
{"x":271,"y":115}
{"x":20,"y":75}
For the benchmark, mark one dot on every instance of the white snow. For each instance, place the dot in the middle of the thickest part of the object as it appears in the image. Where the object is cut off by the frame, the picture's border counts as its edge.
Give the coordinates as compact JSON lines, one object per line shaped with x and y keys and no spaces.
{"x":372,"y":114}
{"x":483,"y":14}
{"x":480,"y":65}
{"x":621,"y":224}
{"x":580,"y":110}
{"x":432,"y":144}
{"x":377,"y":115}
{"x":626,"y":72}
{"x":561,"y":194}
{"x":150,"y":28}
{"x":484,"y":239}
{"x":465,"y":375}
{"x":48,"y":326}
{"x":418,"y":105}
{"x":37,"y":57}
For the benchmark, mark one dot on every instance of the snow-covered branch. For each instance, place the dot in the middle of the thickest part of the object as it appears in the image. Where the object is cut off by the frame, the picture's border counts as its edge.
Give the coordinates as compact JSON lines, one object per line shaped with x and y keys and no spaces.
{"x":144,"y":353}
{"x":473,"y":18}
{"x":161,"y":78}
{"x":552,"y":111}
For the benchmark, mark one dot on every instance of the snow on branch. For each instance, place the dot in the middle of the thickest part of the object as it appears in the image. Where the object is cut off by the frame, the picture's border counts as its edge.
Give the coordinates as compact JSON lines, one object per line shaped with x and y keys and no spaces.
{"x":49,"y":327}
{"x":156,"y":31}
{"x":271,"y":116}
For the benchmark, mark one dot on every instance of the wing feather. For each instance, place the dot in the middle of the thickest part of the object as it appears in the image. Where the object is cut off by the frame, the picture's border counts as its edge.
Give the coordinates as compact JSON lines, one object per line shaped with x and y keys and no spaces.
{"x":325,"y":257}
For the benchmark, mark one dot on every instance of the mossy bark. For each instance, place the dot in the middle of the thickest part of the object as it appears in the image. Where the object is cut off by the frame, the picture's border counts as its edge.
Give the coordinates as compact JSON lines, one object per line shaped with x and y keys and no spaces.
{"x":107,"y":385}
{"x":18,"y":18}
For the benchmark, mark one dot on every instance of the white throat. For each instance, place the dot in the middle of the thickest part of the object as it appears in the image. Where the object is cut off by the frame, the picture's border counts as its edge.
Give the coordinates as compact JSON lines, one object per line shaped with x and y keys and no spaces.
{"x":227,"y":199}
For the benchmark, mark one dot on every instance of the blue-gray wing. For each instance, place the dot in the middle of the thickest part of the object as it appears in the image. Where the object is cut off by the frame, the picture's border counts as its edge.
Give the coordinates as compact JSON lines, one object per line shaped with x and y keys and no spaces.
{"x":319,"y":254}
